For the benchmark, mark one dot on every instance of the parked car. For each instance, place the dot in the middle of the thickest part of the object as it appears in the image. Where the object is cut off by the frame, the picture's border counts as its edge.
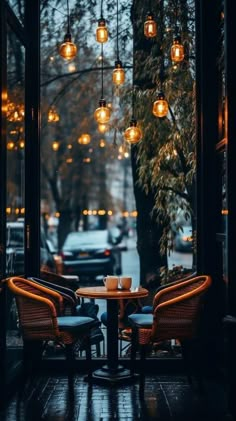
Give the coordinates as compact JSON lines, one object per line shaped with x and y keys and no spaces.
{"x":15,"y":249}
{"x":184,"y":239}
{"x":92,"y":253}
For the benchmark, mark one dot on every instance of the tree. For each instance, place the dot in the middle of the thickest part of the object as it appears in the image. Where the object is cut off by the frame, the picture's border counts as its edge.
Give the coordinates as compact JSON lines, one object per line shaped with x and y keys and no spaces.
{"x":164,"y":162}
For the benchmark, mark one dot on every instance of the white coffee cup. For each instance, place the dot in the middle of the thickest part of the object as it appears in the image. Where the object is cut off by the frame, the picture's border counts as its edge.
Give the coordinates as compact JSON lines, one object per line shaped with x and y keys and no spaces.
{"x":125,"y":282}
{"x":111,"y":282}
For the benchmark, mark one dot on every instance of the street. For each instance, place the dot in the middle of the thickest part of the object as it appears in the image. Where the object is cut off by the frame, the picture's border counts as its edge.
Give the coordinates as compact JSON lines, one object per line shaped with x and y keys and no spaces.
{"x":130,"y":261}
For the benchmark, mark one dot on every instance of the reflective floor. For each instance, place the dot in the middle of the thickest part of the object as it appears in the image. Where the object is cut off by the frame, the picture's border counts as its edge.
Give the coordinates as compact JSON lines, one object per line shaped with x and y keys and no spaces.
{"x":166,"y":399}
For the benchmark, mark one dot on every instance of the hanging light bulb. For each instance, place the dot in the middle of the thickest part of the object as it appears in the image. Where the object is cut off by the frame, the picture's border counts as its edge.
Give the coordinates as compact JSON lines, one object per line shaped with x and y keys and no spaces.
{"x":177,"y":50}
{"x":118,"y":75}
{"x":150,"y":26}
{"x":55,"y":145}
{"x":84,"y":139}
{"x":53,"y":115}
{"x":102,"y":114}
{"x":21,"y":143}
{"x":68,"y":49}
{"x":133,"y":134}
{"x":101,"y":31}
{"x":160,"y":106}
{"x":10,"y":145}
{"x":102,"y":128}
{"x":102,"y":143}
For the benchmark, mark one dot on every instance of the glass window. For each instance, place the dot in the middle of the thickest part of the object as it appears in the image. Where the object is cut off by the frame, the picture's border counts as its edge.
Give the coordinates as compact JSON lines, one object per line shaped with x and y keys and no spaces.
{"x":15,"y":185}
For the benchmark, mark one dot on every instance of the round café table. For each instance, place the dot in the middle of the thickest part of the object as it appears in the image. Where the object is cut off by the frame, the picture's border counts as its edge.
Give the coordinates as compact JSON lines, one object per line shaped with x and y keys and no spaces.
{"x":112,"y":372}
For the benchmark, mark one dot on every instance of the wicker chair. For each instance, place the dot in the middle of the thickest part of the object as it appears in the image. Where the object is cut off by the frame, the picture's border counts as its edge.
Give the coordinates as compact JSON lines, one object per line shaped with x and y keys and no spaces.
{"x":73,"y":306}
{"x":41,"y":319}
{"x":176,"y":315}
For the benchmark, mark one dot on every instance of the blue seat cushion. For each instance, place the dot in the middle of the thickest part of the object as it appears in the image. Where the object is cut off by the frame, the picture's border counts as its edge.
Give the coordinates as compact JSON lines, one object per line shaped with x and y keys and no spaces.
{"x":141,"y":320}
{"x":104,"y":318}
{"x":147,"y":309}
{"x":75,"y":324}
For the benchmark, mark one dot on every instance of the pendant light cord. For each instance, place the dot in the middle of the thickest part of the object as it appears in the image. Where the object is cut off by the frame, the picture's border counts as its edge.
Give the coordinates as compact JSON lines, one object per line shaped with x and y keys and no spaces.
{"x":101,"y":9}
{"x":161,"y":74}
{"x":176,"y":17}
{"x":68,"y":17}
{"x":102,"y":69}
{"x":117,"y":26}
{"x":133,"y":78}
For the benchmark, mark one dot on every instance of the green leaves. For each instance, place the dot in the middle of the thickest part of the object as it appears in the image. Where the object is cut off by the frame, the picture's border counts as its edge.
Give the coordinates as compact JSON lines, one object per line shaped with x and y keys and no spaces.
{"x":166,"y":156}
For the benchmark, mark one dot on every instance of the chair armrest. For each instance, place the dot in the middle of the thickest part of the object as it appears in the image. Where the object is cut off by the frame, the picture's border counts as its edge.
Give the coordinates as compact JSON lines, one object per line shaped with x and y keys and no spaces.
{"x":30,"y":295}
{"x":36,"y":290}
{"x":180,"y":288}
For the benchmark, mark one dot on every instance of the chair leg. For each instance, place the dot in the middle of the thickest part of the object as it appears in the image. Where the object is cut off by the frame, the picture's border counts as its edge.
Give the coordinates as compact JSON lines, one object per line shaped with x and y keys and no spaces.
{"x":143,"y":351}
{"x":185,"y":355}
{"x":134,"y":345}
{"x":98,"y":349}
{"x":192,"y":363}
{"x":88,"y":357}
{"x":32,"y":356}
{"x":69,"y":351}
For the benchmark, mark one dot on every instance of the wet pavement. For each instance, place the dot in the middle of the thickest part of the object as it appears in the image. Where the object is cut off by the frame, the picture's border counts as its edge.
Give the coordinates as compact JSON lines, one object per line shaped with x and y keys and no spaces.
{"x":166,"y":399}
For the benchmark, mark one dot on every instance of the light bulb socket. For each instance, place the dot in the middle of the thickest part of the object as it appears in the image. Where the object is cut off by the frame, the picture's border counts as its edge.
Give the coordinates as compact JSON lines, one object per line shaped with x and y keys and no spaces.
{"x":118,"y":64}
{"x":150,"y":16}
{"x":133,"y":122}
{"x":101,"y":22}
{"x":102,"y":103}
{"x":67,"y":37}
{"x":160,"y":96}
{"x":177,"y":39}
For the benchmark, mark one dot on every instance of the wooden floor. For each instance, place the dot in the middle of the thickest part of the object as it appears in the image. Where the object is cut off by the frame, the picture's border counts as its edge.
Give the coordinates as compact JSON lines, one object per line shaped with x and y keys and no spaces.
{"x":166,"y":399}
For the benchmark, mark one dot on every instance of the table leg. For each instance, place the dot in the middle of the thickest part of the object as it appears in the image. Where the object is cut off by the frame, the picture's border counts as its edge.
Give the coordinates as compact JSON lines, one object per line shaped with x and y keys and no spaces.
{"x":112,"y":372}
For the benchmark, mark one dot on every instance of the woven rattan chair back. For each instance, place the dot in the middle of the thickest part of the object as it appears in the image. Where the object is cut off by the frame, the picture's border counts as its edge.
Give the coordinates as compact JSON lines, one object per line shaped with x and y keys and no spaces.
{"x":177,"y":309}
{"x":38,"y":309}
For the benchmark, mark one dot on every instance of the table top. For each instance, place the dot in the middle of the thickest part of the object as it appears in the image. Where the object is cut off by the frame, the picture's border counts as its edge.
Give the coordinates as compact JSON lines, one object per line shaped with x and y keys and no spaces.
{"x":102,"y":293}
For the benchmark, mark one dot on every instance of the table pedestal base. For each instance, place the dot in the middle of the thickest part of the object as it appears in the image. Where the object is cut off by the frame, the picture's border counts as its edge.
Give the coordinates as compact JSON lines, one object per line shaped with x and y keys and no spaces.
{"x":106,"y":375}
